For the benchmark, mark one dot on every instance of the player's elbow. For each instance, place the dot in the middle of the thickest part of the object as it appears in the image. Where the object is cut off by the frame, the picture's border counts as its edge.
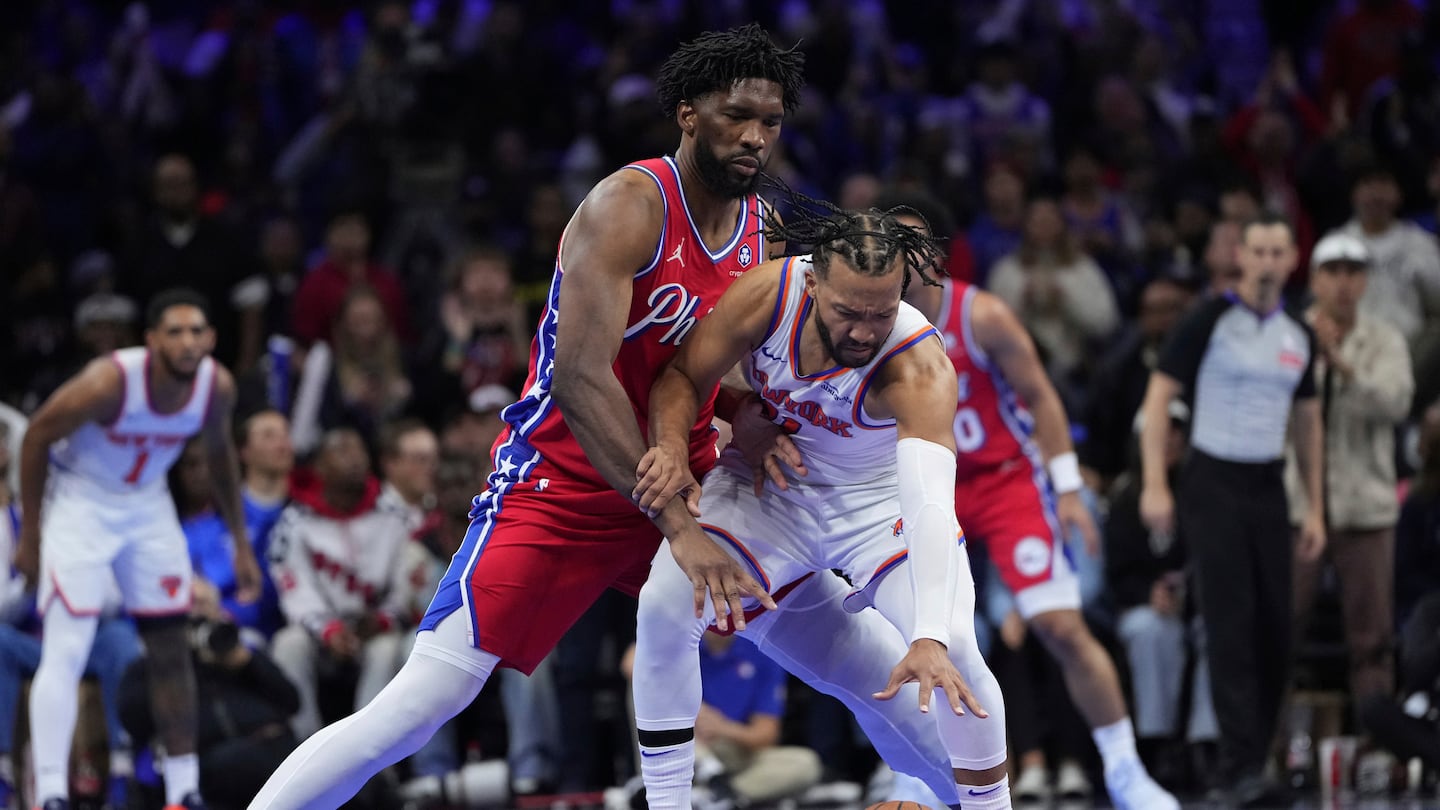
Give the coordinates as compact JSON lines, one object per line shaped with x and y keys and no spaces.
{"x":570,"y":383}
{"x":40,"y":433}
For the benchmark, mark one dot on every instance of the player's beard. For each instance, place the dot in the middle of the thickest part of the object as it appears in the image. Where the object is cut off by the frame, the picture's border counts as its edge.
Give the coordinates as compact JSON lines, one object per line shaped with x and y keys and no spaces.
{"x":717,"y":175}
{"x":829,"y":343}
{"x":177,"y":374}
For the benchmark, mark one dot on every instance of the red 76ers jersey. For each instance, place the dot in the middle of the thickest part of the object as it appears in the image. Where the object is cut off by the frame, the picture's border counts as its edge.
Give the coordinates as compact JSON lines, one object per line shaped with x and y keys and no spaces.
{"x":992,"y":425}
{"x":678,"y":287}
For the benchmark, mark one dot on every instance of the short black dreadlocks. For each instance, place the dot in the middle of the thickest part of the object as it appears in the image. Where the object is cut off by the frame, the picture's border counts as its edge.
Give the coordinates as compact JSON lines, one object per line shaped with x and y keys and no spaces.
{"x":716,"y":60}
{"x":868,"y":241}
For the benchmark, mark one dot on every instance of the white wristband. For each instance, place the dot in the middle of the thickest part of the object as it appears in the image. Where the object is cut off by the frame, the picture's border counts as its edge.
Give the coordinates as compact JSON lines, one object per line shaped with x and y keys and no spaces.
{"x":1065,"y":473}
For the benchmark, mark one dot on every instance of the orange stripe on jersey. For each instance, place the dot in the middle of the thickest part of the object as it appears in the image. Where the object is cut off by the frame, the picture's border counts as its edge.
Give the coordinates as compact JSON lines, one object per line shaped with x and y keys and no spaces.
{"x":780,"y":297}
{"x":901,"y":556}
{"x":857,"y":412}
{"x":745,"y":552}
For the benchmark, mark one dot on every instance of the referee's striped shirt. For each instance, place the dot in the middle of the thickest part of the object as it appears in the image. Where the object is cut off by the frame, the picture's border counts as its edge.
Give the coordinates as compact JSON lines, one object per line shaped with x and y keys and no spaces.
{"x":1241,"y":370}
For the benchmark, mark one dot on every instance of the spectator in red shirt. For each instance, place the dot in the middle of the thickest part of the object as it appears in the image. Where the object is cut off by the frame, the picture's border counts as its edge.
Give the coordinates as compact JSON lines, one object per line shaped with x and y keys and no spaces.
{"x":1363,"y":46}
{"x":346,"y":264}
{"x":1267,"y":138}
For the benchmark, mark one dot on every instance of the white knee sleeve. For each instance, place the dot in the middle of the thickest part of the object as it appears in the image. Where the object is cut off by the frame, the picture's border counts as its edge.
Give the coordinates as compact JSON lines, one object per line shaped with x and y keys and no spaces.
{"x":973,"y":743}
{"x":849,"y":656}
{"x":54,"y":701}
{"x":666,"y":682}
{"x":332,"y":765}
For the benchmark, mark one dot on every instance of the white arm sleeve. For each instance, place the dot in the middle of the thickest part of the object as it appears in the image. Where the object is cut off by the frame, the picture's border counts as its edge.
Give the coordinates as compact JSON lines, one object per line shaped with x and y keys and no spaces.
{"x":927,"y":507}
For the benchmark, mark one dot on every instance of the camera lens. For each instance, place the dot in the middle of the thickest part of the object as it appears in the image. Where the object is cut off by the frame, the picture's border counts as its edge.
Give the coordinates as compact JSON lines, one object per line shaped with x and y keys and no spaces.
{"x":223,"y":637}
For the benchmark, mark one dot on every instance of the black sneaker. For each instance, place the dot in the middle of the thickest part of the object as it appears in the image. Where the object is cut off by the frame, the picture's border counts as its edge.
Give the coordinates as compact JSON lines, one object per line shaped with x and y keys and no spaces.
{"x":192,"y":801}
{"x":1258,"y":791}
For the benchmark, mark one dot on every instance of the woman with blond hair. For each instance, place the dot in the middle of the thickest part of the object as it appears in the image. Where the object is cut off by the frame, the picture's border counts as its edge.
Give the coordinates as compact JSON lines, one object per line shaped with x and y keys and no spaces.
{"x":1060,"y":294}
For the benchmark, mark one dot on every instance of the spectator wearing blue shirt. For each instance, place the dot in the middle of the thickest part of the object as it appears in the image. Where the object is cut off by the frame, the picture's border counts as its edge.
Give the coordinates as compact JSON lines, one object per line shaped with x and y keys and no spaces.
{"x":267,"y":457}
{"x":737,"y":733}
{"x":738,"y":728}
{"x":996,"y":231}
{"x":266,"y":452}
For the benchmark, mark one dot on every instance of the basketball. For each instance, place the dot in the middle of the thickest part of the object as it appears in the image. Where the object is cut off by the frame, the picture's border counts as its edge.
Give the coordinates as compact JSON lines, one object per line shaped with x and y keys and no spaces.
{"x":897,"y":806}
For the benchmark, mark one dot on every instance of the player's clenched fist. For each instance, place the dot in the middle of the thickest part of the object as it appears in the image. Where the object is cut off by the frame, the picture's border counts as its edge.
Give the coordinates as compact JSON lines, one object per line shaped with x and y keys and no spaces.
{"x":663,"y":473}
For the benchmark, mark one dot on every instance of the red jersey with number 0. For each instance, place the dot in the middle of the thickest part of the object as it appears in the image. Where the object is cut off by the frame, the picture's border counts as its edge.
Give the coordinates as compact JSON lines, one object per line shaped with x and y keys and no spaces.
{"x":992,"y":425}
{"x":680,"y":285}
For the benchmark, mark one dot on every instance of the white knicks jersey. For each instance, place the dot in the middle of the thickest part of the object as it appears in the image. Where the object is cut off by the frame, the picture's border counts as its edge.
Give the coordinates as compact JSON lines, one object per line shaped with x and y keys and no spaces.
{"x":135,"y":451}
{"x":824,"y":412}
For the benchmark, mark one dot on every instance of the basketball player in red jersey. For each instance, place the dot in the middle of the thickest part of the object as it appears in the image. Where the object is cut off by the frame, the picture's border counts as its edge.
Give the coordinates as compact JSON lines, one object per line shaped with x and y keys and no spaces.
{"x":1017,"y":492}
{"x":647,"y":254}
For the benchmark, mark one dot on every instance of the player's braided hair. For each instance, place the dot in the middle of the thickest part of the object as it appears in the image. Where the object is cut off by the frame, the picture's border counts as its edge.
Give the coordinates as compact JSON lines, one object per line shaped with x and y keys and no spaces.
{"x":716,"y":60}
{"x":868,"y":241}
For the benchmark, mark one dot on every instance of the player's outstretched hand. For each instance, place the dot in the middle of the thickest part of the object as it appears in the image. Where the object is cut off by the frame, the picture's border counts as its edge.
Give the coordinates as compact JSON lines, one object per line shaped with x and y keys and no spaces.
{"x":247,"y":576}
{"x":663,"y":473}
{"x":928,"y":663}
{"x":711,"y":570}
{"x":764,"y":445}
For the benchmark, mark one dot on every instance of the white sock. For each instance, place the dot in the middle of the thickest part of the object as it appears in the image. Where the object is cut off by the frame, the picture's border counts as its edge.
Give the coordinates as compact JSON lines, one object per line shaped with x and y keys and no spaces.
{"x":986,"y":797}
{"x":121,"y":763}
{"x":1116,"y":743}
{"x":182,"y":777}
{"x":668,"y":771}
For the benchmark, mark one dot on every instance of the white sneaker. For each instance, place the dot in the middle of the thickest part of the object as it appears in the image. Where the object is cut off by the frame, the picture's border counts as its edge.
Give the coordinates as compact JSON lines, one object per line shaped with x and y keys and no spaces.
{"x":1032,"y":786}
{"x":1131,"y":788}
{"x":833,"y":793}
{"x":1071,"y":782}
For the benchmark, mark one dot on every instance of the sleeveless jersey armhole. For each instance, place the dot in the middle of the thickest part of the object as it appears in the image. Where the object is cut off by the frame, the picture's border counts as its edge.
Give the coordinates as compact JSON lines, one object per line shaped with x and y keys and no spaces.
{"x":967,"y":330}
{"x":781,"y":297}
{"x":664,"y":222}
{"x":858,"y":411}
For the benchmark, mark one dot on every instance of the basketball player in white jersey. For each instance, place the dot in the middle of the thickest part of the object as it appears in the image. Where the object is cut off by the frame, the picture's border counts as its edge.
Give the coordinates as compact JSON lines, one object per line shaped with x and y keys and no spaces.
{"x":862,"y":383}
{"x":96,"y":506}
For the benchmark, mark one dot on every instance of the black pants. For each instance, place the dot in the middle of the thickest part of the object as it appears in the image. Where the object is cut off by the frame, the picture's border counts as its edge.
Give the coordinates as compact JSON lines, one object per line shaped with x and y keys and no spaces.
{"x":1038,"y":710}
{"x":233,"y":771}
{"x":1236,"y":526}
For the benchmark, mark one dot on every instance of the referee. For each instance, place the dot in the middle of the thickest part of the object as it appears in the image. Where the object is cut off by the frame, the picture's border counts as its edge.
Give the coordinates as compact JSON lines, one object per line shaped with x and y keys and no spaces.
{"x":1246,"y":366}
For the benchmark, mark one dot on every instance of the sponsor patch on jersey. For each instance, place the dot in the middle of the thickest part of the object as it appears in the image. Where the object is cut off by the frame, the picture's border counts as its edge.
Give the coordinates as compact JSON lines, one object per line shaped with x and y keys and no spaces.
{"x":1032,"y":556}
{"x":1291,"y":359}
{"x":744,"y":256}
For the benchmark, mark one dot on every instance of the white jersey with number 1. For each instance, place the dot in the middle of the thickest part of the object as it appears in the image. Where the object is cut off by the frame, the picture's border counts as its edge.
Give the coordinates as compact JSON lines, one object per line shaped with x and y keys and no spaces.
{"x":137,"y":449}
{"x":108,"y":516}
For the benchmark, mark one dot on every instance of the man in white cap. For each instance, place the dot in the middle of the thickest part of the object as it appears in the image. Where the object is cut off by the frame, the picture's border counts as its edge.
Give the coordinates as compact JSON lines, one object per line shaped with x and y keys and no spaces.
{"x":1363,"y":374}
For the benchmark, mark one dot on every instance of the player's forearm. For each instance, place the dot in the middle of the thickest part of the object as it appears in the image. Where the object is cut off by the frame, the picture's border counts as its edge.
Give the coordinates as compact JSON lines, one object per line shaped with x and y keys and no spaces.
{"x":600,"y":416}
{"x":734,"y":390}
{"x":225,"y":475}
{"x":926,"y":473}
{"x":1052,"y":435}
{"x":34,"y":470}
{"x":674,"y":407}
